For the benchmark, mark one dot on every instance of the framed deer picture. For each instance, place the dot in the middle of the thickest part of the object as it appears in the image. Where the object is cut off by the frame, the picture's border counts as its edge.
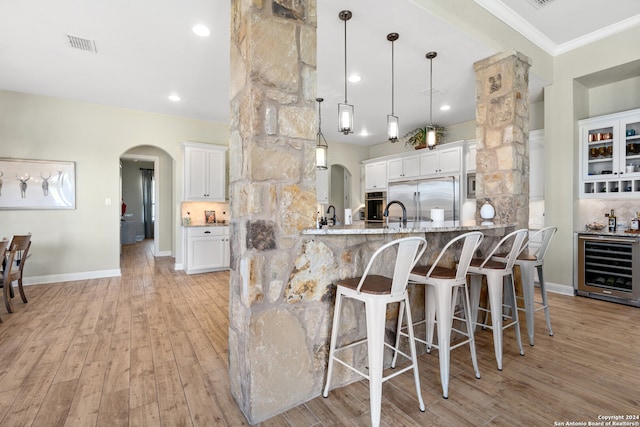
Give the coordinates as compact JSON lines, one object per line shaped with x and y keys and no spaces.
{"x":37,"y":184}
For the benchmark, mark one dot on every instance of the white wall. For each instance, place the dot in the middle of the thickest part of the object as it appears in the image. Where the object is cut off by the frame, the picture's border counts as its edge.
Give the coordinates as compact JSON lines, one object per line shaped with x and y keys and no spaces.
{"x":74,"y":244}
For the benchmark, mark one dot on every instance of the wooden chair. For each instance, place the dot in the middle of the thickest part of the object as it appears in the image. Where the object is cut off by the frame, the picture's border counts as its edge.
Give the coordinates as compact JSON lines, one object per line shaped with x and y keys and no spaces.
{"x":7,"y":261}
{"x":19,"y":251}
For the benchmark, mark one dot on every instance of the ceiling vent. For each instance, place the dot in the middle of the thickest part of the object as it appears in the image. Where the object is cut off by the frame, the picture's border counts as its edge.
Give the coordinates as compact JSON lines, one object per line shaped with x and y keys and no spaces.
{"x":540,"y":3}
{"x":82,"y":43}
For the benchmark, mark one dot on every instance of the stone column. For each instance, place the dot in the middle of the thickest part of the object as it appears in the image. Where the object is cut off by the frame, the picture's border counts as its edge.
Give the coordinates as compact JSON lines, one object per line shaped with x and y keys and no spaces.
{"x":502,"y":130}
{"x":272,"y":198}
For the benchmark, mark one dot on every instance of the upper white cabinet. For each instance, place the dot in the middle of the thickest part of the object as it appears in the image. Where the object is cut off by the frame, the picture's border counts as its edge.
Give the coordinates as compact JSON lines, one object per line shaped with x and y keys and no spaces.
{"x":470,"y":158}
{"x":610,"y":155}
{"x":375,"y":176}
{"x":322,"y":186}
{"x":204,"y":172}
{"x":441,"y":161}
{"x":403,"y":167}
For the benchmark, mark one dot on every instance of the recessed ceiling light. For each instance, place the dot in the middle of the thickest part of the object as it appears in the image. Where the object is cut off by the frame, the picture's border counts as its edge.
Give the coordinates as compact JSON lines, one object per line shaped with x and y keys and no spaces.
{"x":201,"y":30}
{"x":174,"y":98}
{"x":445,"y":108}
{"x":354,"y":78}
{"x":364,"y":133}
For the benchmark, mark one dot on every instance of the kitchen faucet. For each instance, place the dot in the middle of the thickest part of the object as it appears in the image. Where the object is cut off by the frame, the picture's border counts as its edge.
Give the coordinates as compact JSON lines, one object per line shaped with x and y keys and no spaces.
{"x":404,"y":212}
{"x":333,"y":218}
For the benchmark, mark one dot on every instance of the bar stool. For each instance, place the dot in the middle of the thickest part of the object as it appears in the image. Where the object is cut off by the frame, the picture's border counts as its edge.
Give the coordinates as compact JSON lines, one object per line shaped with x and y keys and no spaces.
{"x":529,"y":260}
{"x":441,"y":292}
{"x":377,"y":292}
{"x":499,"y":275}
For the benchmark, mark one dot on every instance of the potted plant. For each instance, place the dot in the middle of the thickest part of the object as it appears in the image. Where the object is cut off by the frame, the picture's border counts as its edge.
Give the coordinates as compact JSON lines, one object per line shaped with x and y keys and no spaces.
{"x":417,"y":138}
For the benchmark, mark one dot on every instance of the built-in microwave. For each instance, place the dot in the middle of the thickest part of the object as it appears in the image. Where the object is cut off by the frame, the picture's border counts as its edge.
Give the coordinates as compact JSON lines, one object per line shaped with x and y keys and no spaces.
{"x":471,"y":186}
{"x":374,"y":204}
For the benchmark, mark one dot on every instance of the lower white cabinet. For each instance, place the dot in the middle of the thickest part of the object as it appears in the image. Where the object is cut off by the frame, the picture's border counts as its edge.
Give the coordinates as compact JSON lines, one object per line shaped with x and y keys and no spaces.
{"x":207,"y":249}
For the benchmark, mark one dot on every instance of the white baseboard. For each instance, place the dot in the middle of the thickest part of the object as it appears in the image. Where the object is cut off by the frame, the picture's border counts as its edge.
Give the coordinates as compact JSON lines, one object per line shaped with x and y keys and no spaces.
{"x":164,"y":253}
{"x":560,"y":289}
{"x":178,"y":266}
{"x":55,"y":278}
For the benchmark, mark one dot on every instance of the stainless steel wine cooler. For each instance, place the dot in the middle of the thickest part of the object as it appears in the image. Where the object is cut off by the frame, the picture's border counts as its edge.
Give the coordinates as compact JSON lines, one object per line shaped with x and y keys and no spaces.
{"x":608,"y":268}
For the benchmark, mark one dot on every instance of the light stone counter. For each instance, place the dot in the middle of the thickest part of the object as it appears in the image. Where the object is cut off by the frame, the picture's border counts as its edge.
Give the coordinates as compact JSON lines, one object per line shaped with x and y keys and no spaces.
{"x":412,"y":227}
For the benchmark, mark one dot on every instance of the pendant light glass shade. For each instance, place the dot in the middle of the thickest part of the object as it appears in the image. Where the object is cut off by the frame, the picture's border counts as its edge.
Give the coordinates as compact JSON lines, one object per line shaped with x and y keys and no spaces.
{"x":393,"y":128}
{"x":321,"y":143}
{"x":432,"y":139}
{"x":345,"y":111}
{"x":393,"y":123}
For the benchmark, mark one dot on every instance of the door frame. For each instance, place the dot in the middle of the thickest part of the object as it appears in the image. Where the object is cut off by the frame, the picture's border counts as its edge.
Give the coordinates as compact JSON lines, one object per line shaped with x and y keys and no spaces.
{"x":156,"y":172}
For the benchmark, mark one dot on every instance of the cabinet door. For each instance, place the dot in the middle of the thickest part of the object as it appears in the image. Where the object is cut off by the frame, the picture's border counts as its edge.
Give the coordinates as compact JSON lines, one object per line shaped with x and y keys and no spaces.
{"x":215,"y":175}
{"x":322,"y":186}
{"x":599,"y":158}
{"x":227,"y":252}
{"x":375,"y":176}
{"x":470,"y":158}
{"x":429,"y":163}
{"x":630,"y":146}
{"x":411,"y":166}
{"x":395,"y":168}
{"x":195,"y":172}
{"x":450,"y":160}
{"x":206,"y":252}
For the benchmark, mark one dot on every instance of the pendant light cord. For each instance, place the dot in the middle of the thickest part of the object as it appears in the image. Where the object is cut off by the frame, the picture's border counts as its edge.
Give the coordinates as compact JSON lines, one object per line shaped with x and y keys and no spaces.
{"x":345,"y":61}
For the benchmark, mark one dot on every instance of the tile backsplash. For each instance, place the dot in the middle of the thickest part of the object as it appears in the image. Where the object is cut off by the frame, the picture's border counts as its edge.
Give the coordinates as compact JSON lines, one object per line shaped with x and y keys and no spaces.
{"x":590,"y":210}
{"x":196,"y":211}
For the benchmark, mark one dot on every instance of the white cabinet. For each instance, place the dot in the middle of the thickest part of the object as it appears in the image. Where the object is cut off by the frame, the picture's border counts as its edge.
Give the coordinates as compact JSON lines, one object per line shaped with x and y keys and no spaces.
{"x":403,"y":167}
{"x":610,"y":155}
{"x":536,"y":165}
{"x":204,"y":172}
{"x":441,"y":161}
{"x":207,"y":249}
{"x":322,"y":186}
{"x":470,"y":158}
{"x":375,"y":176}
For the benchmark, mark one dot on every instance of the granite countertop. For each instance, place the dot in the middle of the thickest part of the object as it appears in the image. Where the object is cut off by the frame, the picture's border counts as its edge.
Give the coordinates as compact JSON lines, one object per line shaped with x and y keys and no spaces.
{"x":218,"y":224}
{"x":394,"y":228}
{"x":605,"y":232}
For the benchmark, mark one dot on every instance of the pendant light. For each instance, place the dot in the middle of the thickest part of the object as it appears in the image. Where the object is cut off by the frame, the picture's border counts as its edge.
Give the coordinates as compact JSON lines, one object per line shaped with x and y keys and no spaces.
{"x":392,"y":119}
{"x":432,"y":141}
{"x":321,"y":143}
{"x":345,"y":111}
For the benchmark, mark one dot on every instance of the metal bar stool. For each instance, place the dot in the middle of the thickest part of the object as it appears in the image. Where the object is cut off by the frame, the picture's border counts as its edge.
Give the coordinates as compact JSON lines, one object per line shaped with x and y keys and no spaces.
{"x":499,"y":279}
{"x":377,"y":292}
{"x":441,"y":292}
{"x":530,"y":260}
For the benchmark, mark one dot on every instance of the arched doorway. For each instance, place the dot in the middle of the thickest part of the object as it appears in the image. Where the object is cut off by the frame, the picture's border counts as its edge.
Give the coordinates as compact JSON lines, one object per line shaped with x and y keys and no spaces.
{"x":137,"y":159}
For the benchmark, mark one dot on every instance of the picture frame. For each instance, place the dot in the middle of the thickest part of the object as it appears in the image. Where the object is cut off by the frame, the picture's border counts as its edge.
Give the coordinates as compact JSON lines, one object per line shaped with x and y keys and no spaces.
{"x":37,"y":184}
{"x":210,"y":217}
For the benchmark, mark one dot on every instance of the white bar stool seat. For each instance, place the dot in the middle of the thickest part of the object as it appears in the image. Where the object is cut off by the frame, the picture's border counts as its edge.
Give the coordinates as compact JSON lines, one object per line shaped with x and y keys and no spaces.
{"x":377,"y":292}
{"x":499,"y":279}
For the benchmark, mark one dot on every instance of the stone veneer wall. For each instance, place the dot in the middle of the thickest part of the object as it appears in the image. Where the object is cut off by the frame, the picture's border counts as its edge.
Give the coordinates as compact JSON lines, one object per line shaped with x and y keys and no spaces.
{"x":502,"y":130}
{"x":272,"y":199}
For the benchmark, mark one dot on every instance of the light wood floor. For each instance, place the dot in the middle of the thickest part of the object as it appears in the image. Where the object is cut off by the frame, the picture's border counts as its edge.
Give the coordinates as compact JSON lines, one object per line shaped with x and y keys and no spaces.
{"x":150,"y":349}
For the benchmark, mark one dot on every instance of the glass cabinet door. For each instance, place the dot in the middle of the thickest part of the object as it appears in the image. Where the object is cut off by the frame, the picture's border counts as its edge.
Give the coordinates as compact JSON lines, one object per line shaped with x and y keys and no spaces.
{"x":630,"y":134}
{"x":601,"y":155}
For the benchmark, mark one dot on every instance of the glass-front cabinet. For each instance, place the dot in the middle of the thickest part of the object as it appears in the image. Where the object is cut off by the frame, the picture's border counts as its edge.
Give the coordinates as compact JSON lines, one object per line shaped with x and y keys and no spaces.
{"x":610,"y":155}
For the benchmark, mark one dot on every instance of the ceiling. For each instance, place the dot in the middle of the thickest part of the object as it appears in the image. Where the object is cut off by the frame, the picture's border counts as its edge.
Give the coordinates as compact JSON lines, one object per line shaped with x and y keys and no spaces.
{"x":147,"y":51}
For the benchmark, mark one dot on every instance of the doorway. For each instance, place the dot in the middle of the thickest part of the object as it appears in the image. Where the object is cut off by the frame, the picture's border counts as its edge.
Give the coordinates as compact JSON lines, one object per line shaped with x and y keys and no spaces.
{"x":340,"y":194}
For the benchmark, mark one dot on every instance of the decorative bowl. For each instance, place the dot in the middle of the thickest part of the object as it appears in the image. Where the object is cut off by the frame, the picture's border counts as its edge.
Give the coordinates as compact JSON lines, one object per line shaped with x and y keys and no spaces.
{"x":595,"y":226}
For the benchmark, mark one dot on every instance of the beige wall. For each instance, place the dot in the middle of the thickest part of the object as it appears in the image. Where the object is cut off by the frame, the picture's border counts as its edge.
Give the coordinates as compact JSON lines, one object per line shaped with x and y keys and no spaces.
{"x":80,"y":243}
{"x":567,"y":101}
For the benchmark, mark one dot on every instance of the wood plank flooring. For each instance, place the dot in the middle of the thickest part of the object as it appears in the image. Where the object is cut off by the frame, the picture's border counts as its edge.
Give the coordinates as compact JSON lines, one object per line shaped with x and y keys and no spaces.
{"x":150,"y":349}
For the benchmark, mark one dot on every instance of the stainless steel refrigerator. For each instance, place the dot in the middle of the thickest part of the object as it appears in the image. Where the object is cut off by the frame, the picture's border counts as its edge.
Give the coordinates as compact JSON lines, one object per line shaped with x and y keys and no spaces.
{"x":420,"y":196}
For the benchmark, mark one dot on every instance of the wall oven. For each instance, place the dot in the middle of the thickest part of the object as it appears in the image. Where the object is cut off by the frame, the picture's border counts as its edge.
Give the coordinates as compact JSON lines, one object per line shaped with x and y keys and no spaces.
{"x":374,"y":204}
{"x":608,"y":268}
